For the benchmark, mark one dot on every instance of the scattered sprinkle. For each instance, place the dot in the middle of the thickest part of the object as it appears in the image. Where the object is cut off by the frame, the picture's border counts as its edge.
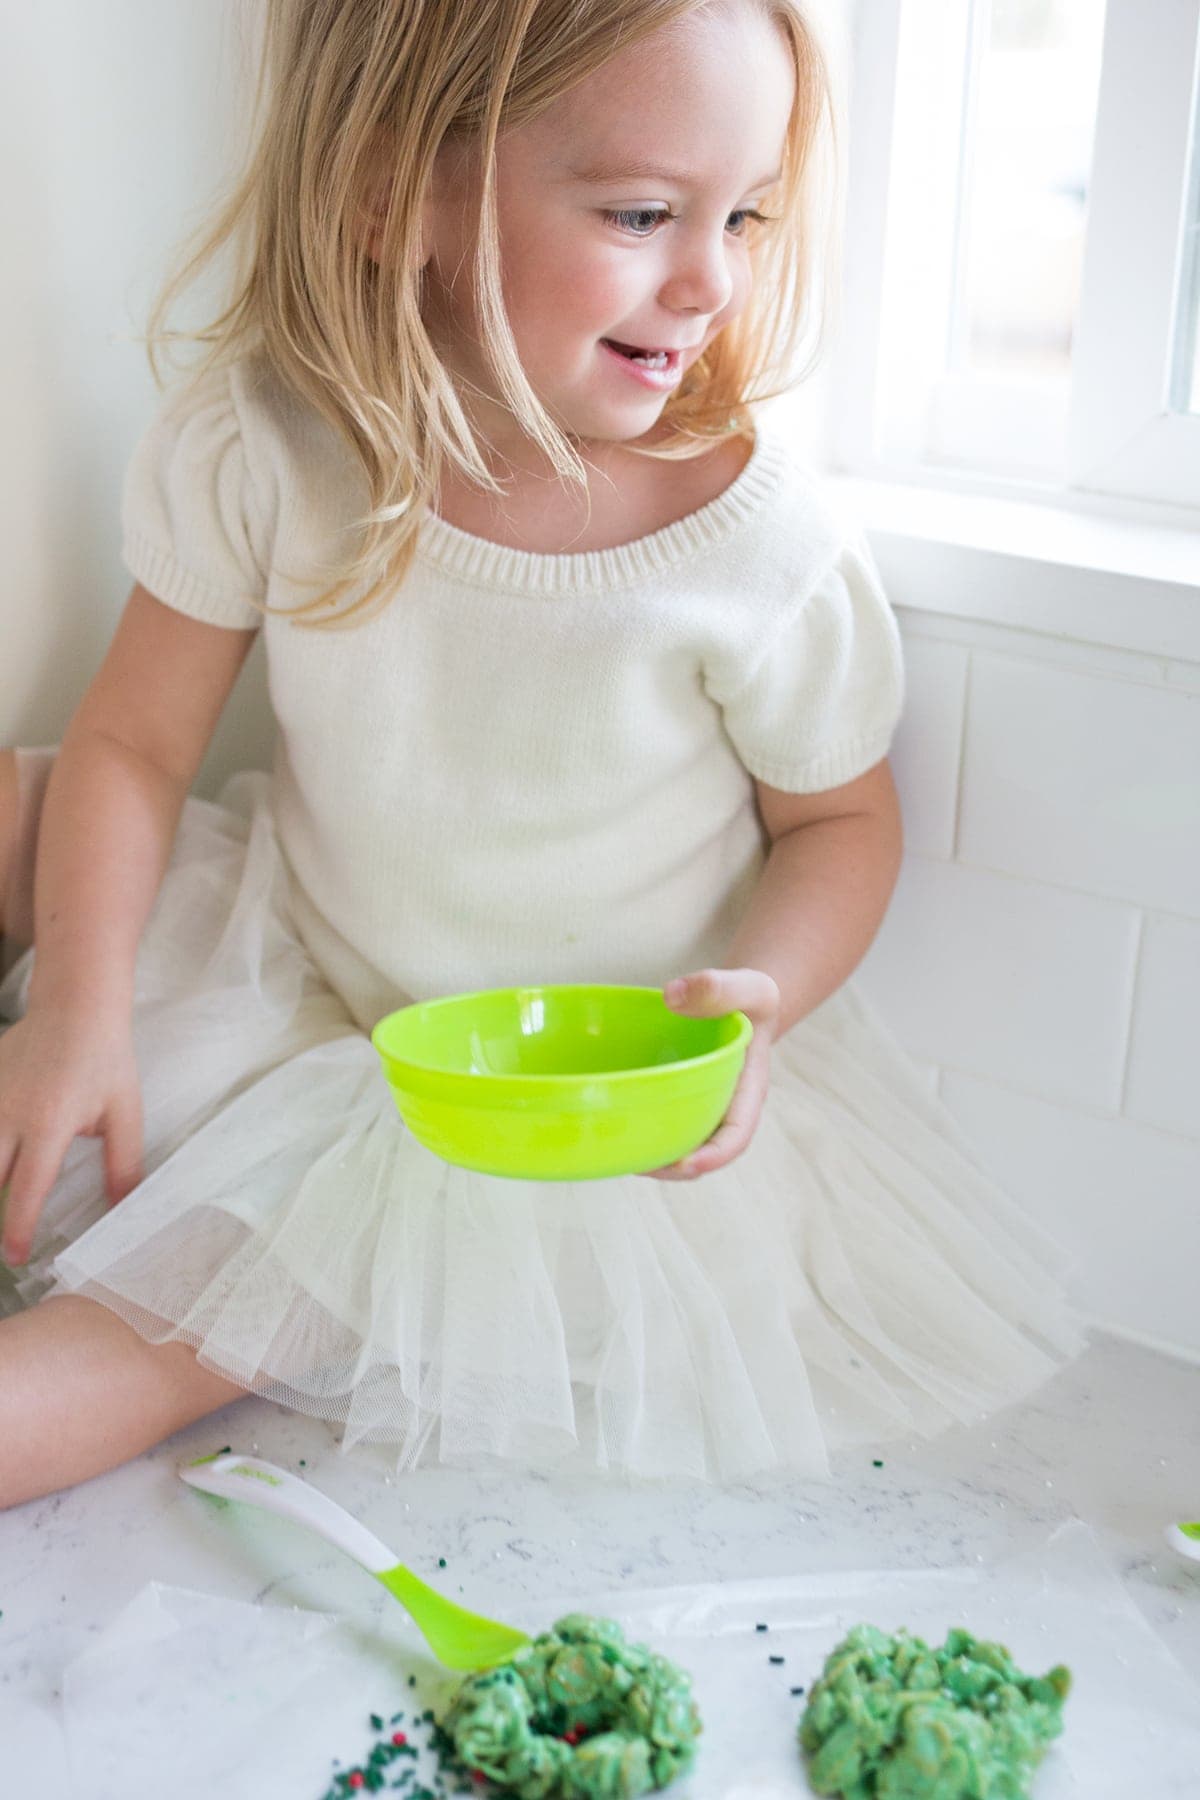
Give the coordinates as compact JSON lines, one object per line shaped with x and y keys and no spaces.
{"x":797,"y":1690}
{"x":775,"y":1659}
{"x":876,"y":1463}
{"x":441,"y":1562}
{"x":760,"y":1628}
{"x":395,"y":1762}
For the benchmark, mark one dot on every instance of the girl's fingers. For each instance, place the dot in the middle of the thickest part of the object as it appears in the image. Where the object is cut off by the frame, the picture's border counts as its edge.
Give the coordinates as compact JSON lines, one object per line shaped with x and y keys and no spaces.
{"x":38,"y":1162}
{"x":734,"y":1132}
{"x":710,"y":992}
{"x":123,"y":1145}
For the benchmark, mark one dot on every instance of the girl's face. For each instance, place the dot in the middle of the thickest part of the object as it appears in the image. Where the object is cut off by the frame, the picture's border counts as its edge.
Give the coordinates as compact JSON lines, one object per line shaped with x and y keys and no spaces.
{"x":626,"y":216}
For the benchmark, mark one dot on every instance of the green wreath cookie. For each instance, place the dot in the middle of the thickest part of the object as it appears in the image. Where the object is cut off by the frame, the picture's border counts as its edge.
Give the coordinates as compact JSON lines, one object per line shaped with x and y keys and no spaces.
{"x":891,"y":1719}
{"x":578,"y":1714}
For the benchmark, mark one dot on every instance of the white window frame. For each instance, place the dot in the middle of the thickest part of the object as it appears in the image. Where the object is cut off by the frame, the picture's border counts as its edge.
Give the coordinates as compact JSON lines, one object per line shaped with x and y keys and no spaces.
{"x":1123,"y":439}
{"x":898,"y":413}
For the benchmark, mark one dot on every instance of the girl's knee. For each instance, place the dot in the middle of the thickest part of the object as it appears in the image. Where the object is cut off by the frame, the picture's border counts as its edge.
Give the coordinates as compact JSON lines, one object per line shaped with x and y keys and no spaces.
{"x":82,"y":1392}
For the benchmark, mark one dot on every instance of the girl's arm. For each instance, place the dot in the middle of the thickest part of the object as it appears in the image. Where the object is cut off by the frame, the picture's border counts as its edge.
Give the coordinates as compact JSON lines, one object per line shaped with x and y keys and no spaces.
{"x":821,"y":898}
{"x":129,"y":756}
{"x":109,"y":819}
{"x":818,"y":904}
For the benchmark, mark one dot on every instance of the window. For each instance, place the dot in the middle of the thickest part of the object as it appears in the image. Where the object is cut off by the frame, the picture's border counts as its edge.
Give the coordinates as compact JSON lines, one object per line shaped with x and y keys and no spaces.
{"x":1022,"y":262}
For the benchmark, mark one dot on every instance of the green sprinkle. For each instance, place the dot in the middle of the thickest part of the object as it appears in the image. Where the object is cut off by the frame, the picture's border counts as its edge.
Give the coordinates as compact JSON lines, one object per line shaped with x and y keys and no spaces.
{"x":775,"y":1659}
{"x":760,"y":1628}
{"x":875,"y":1463}
{"x":441,"y":1562}
{"x":376,"y":1722}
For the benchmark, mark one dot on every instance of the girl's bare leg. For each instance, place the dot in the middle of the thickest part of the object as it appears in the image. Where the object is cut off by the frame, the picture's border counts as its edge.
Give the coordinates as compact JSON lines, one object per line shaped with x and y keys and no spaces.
{"x":81,"y":1392}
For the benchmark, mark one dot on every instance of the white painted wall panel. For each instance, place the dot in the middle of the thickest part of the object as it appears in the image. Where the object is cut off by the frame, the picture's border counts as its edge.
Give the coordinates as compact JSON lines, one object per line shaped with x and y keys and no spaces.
{"x":1011,"y":979}
{"x":925,"y":754}
{"x":1119,"y":1197}
{"x":1091,"y":783}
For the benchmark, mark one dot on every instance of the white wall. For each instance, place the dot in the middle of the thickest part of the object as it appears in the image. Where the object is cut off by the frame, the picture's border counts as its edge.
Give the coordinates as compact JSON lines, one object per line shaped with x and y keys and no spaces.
{"x":116,"y":122}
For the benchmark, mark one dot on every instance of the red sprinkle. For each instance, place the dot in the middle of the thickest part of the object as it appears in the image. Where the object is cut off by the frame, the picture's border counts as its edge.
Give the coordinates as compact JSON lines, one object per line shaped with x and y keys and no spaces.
{"x":356,"y":1778}
{"x":399,"y":1737}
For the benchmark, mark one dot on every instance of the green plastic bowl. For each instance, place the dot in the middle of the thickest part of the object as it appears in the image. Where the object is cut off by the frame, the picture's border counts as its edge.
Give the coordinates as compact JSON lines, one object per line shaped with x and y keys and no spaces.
{"x":560,"y":1083}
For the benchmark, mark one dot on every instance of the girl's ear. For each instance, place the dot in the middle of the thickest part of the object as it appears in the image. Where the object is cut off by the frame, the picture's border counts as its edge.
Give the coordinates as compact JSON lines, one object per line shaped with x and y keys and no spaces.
{"x":371,"y":224}
{"x":372,"y":214}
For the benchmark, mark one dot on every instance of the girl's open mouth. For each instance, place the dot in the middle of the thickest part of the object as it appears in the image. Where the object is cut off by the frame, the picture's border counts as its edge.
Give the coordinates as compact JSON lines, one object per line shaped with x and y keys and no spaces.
{"x":654,"y":368}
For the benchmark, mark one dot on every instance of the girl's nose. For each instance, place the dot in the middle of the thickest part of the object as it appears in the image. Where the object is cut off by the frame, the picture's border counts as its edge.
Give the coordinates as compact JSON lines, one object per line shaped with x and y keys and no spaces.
{"x":699,"y":279}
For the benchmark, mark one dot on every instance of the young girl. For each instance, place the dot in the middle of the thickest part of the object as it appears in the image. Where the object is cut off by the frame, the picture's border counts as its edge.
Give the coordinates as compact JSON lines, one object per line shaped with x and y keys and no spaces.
{"x":576,"y":678}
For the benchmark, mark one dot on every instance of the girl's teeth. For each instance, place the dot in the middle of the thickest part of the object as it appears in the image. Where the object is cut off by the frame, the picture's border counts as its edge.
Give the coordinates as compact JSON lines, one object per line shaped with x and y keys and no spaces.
{"x":656,"y":359}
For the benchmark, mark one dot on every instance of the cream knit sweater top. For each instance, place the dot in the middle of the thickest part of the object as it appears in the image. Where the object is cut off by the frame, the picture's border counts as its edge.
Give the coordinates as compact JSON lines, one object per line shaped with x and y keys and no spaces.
{"x":527,"y":768}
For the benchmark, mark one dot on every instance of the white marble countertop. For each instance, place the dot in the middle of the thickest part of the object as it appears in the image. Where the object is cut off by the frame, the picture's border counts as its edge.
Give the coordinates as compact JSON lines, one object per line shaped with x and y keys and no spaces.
{"x":1113,"y":1440}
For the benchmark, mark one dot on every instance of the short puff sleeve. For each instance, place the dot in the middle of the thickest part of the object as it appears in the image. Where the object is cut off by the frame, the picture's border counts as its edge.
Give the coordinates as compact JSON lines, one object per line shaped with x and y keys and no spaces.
{"x":821,"y":699}
{"x":195,"y":530}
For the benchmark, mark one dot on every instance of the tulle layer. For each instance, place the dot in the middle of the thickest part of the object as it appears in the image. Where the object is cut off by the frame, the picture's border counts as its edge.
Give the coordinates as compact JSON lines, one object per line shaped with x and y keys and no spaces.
{"x":852,"y":1277}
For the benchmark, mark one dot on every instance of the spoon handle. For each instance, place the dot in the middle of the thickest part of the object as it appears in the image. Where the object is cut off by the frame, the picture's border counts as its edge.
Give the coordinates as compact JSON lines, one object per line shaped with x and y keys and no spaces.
{"x":258,"y":1483}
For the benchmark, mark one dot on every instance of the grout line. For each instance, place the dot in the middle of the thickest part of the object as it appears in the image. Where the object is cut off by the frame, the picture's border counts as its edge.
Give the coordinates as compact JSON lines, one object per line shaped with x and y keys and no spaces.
{"x":1057,"y":1101}
{"x":1022,"y":879}
{"x":1080,"y":655}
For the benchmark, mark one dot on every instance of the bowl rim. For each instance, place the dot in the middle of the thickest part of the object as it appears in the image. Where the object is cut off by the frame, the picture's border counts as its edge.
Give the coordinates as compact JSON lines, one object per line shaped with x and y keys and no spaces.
{"x":482,"y":1077}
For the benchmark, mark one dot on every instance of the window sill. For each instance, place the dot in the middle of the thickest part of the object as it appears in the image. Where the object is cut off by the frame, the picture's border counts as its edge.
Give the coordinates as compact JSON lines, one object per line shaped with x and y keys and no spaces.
{"x":1130,"y":582}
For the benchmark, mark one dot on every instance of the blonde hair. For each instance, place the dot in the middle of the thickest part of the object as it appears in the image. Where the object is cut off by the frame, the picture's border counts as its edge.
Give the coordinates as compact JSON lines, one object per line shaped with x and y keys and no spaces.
{"x":338,"y":79}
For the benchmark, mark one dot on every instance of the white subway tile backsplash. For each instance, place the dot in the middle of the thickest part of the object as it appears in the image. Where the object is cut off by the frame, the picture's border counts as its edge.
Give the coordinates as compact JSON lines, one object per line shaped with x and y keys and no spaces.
{"x":1120,"y":1199}
{"x":1087,"y":782}
{"x":925,"y":752}
{"x":1008,"y":979}
{"x":1163,"y":1083}
{"x":1035,"y":646}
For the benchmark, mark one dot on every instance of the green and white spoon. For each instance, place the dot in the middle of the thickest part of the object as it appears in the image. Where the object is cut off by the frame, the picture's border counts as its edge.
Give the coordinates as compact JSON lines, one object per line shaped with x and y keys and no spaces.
{"x":1185,"y":1539}
{"x":458,"y":1638}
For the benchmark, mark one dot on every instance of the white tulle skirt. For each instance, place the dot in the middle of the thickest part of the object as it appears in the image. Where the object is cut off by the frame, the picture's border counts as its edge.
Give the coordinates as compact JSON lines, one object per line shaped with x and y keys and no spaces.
{"x":851,"y":1278}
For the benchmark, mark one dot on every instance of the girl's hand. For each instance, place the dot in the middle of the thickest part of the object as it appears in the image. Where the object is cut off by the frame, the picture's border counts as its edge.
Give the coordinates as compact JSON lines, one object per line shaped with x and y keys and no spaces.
{"x":63,"y":1075}
{"x":706,"y":995}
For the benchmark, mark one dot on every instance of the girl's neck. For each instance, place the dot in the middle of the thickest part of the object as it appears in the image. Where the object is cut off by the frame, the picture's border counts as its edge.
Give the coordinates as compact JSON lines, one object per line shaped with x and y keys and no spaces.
{"x":631,"y":497}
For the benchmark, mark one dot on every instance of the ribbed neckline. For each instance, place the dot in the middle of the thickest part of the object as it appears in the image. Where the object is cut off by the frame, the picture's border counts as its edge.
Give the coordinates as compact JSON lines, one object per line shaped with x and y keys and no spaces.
{"x":476,"y":559}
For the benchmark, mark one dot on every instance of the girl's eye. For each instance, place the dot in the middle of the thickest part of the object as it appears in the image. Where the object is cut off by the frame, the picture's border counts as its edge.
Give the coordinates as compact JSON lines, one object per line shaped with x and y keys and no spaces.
{"x":627,"y":221}
{"x":749,"y":212}
{"x":634,"y":219}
